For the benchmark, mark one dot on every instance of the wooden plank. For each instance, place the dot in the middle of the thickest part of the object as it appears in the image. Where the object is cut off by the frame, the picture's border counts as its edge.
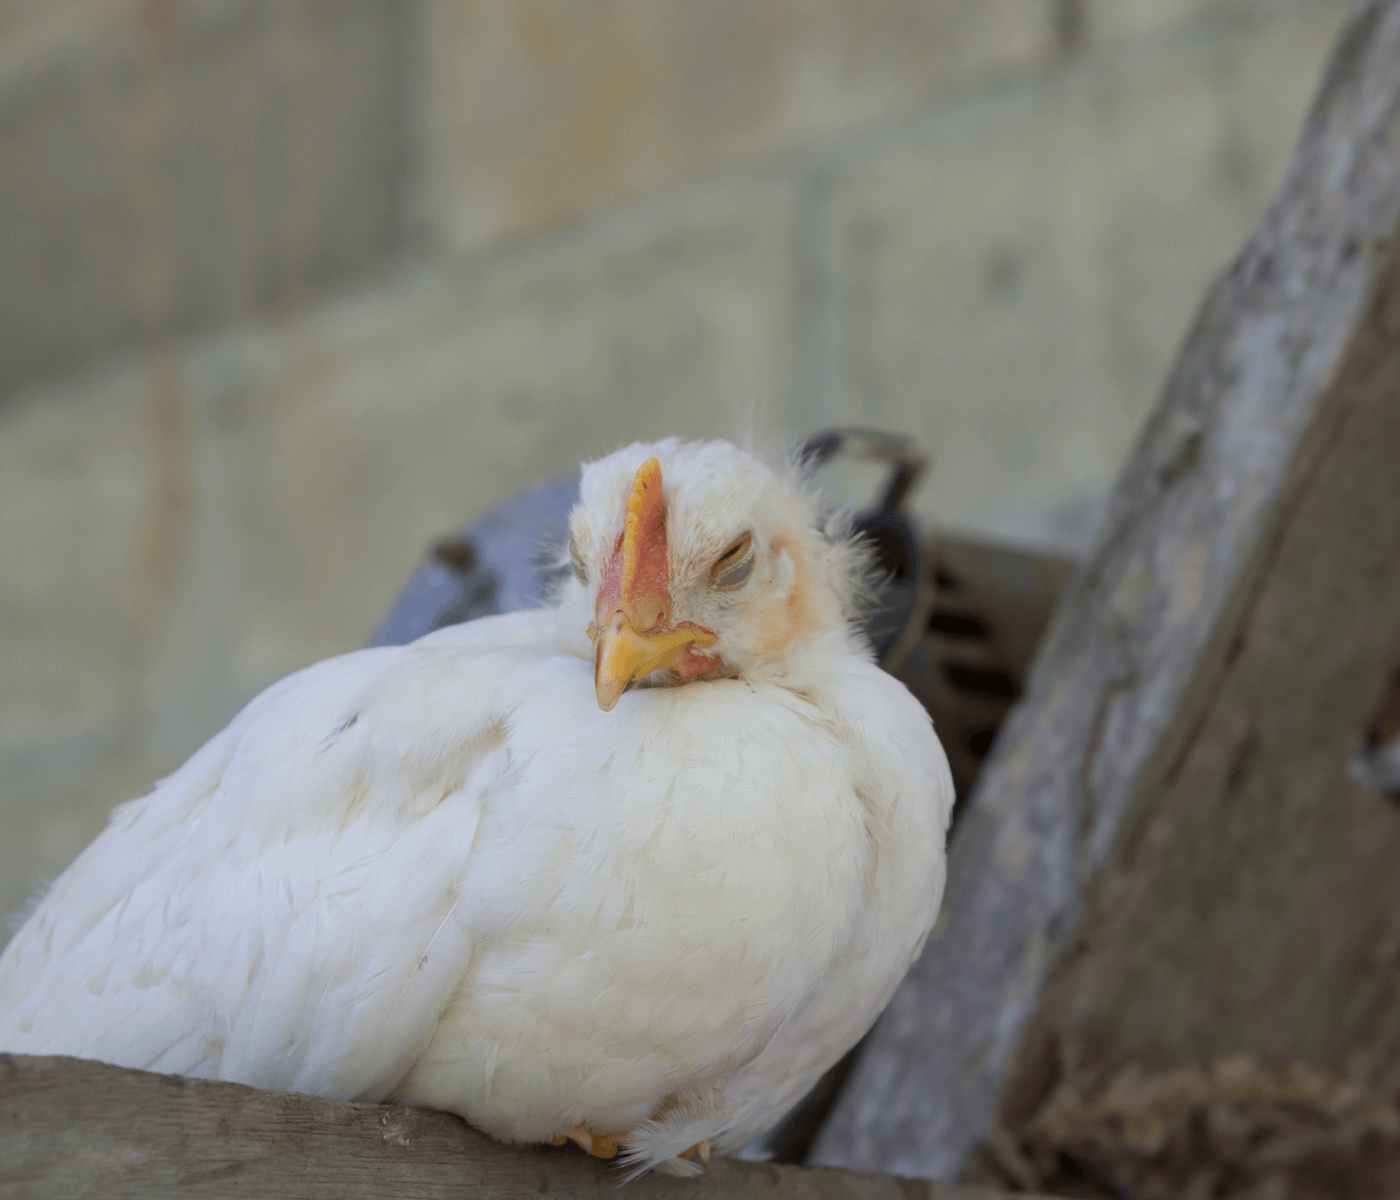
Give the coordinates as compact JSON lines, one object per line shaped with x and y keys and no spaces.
{"x":74,"y":1128}
{"x":1156,"y":804}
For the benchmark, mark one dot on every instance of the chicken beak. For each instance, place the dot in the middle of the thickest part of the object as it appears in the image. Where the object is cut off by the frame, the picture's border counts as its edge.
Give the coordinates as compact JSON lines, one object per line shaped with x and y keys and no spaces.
{"x":621,"y":655}
{"x":630,"y":638}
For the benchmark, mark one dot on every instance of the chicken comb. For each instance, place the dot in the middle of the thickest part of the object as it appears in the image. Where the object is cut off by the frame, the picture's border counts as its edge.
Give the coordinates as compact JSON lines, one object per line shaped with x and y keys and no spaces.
{"x":644,"y":511}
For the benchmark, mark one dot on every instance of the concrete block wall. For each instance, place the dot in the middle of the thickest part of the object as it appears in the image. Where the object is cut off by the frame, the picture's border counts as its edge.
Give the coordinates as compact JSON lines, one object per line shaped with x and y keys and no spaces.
{"x":287,"y":287}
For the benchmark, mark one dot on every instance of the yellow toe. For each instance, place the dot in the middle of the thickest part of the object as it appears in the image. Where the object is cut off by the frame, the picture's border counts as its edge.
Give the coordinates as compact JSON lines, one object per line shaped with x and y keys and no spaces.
{"x":600,"y":1145}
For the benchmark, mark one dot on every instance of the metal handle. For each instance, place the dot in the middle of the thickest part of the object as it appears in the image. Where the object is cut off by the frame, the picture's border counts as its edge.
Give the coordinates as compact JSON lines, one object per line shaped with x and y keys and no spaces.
{"x":899,"y":451}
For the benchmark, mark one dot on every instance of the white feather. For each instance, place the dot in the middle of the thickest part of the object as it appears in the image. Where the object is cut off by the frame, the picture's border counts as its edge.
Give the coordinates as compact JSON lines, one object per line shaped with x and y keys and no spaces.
{"x":440,"y":874}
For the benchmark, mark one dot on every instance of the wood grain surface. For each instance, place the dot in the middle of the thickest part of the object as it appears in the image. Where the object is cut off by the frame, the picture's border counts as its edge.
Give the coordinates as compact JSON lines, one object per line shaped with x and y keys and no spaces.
{"x":71,"y":1128}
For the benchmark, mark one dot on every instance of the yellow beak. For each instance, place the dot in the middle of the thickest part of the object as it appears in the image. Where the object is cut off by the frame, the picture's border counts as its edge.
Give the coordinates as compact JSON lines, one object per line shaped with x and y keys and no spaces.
{"x":621,"y":655}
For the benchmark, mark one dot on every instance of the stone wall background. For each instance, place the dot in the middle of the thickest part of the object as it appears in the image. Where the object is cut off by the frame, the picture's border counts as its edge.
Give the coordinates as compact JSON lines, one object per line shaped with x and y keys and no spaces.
{"x":288,"y":287}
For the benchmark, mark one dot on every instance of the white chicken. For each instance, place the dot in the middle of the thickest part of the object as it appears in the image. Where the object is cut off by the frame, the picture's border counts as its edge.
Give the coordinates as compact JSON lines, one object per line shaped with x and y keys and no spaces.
{"x":633,"y":870}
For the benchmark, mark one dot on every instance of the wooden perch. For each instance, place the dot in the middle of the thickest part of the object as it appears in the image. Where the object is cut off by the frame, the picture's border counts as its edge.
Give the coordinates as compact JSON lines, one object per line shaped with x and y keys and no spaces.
{"x":75,"y":1128}
{"x":1165,"y":867}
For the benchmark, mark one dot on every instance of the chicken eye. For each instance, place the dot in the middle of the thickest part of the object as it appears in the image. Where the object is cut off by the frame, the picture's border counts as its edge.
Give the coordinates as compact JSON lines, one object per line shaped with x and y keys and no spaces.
{"x":576,"y":562}
{"x":734,"y":566}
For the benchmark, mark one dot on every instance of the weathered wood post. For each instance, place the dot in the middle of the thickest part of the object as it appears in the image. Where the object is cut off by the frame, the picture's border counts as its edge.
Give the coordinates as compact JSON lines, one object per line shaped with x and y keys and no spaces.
{"x":1165,"y":867}
{"x":74,"y":1128}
